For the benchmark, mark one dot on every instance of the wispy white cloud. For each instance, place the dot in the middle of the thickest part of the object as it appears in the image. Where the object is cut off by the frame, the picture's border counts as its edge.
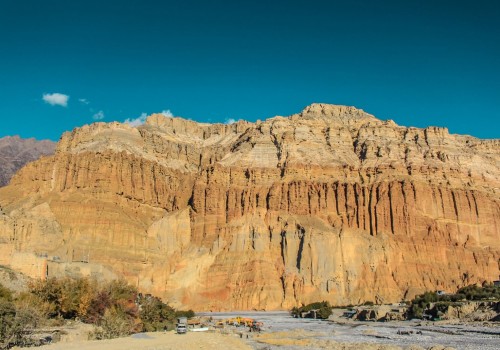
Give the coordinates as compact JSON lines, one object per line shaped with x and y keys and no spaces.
{"x":230,"y":121}
{"x":137,"y":121}
{"x":98,"y":116}
{"x":167,"y":113}
{"x":56,"y":99}
{"x":84,"y":101}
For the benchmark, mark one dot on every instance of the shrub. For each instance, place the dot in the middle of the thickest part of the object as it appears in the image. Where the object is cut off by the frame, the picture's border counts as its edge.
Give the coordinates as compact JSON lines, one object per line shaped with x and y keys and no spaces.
{"x":97,"y":307}
{"x":416,"y":312}
{"x":5,"y":293}
{"x":43,"y":308}
{"x":116,"y":308}
{"x":472,"y":292}
{"x":184,"y":313}
{"x":7,"y":316}
{"x":49,"y":292}
{"x":324,"y":312}
{"x":16,"y":325}
{"x":114,"y":324}
{"x":324,"y":309}
{"x":156,"y":315}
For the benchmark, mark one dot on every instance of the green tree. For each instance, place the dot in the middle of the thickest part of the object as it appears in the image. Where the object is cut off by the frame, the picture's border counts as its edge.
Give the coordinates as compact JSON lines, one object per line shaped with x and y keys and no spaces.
{"x":156,"y":315}
{"x":324,"y":309}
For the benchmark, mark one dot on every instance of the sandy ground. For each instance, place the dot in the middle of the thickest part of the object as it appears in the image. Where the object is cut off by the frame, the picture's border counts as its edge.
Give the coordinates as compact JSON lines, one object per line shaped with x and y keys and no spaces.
{"x":158,"y":341}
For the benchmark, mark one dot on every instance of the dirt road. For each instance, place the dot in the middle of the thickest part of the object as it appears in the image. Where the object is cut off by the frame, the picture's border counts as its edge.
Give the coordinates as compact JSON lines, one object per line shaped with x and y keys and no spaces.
{"x":158,"y":341}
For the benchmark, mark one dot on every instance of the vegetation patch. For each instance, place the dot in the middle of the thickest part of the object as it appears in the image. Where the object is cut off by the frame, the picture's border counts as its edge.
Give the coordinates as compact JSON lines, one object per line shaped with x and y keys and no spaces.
{"x":421,"y":305}
{"x":321,"y":310}
{"x":114,"y":308}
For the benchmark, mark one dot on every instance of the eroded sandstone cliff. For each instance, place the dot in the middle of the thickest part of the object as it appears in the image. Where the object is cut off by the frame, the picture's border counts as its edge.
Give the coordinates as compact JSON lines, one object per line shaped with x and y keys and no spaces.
{"x":329,"y":204}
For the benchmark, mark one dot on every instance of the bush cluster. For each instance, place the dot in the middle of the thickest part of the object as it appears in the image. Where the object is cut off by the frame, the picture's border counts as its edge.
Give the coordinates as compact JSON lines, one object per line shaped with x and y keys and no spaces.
{"x":17,"y":321}
{"x":486,"y":292}
{"x":324,"y":309}
{"x":473,"y":292}
{"x":156,"y":315}
{"x":115,"y":308}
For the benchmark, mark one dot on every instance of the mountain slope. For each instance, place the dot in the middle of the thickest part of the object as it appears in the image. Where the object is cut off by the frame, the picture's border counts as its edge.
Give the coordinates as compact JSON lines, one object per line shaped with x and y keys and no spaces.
{"x":16,"y":152}
{"x":328,"y":204}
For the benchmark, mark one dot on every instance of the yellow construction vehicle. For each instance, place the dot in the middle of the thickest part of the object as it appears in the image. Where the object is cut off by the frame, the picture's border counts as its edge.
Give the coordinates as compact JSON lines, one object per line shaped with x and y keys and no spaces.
{"x":246,"y":322}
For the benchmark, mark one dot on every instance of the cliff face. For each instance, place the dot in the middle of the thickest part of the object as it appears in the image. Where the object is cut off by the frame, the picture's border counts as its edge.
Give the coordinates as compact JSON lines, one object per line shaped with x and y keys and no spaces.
{"x":329,"y":204}
{"x":16,"y":152}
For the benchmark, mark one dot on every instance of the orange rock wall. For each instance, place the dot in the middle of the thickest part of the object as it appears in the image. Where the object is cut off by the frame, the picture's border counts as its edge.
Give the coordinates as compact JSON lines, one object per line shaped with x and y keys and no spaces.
{"x":329,"y":204}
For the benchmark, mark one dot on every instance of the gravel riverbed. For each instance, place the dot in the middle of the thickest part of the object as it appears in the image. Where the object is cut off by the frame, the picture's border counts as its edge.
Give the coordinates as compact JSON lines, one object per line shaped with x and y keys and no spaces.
{"x":282,"y":331}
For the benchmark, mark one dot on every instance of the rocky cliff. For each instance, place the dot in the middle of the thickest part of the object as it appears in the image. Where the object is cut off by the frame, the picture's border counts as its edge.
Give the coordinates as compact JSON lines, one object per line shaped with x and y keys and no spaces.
{"x":15,"y":152}
{"x":328,"y":204}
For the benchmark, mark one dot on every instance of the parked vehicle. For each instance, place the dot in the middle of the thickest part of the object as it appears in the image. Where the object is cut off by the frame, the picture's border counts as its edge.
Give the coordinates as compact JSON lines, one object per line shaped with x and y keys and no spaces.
{"x":181,"y":329}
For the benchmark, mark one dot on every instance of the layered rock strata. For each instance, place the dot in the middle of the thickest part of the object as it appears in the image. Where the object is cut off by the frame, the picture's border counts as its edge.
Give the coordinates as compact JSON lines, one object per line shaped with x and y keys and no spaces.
{"x":329,"y":204}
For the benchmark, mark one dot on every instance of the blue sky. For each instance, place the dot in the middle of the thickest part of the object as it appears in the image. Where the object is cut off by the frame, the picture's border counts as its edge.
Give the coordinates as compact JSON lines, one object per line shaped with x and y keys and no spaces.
{"x":419,"y":63}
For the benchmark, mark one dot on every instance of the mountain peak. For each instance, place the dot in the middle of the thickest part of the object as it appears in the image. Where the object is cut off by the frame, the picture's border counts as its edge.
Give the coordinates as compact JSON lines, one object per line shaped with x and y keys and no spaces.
{"x":343,"y":114}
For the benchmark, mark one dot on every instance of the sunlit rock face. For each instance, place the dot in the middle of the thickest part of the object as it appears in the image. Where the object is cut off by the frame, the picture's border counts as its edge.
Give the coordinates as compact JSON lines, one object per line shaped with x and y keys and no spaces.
{"x":328,"y":204}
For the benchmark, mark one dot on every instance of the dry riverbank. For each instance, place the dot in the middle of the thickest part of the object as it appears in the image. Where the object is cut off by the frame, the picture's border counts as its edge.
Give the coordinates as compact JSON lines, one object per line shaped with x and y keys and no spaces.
{"x":282,"y":332}
{"x":157,"y":341}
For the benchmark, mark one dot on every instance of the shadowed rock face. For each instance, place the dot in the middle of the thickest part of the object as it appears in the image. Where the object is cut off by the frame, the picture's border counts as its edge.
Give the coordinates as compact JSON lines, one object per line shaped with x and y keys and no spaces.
{"x":329,"y":204}
{"x":16,"y":152}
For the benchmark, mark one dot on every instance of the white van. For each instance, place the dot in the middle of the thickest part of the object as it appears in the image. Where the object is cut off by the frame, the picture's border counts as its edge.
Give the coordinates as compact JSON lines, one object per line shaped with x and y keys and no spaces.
{"x":181,"y":329}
